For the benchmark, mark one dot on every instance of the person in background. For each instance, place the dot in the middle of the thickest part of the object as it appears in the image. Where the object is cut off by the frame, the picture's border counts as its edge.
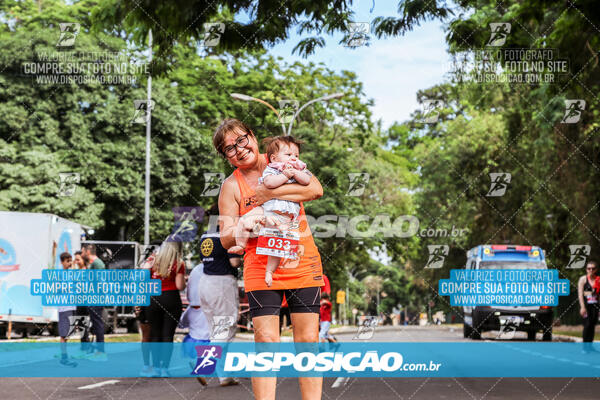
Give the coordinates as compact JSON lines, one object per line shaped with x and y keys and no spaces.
{"x":325,"y":324}
{"x":588,"y":290}
{"x":194,"y":318}
{"x":80,"y":262}
{"x":141,"y":313}
{"x":89,"y":252}
{"x":218,"y":290}
{"x":64,"y":312}
{"x":165,"y":310}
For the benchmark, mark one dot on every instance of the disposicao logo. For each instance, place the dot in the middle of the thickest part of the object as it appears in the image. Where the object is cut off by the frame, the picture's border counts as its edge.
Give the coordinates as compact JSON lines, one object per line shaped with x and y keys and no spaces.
{"x":318,"y":362}
{"x":207,"y":359}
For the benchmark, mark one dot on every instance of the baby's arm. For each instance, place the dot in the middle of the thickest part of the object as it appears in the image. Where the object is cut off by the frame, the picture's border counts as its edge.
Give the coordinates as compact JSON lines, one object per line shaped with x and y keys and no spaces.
{"x":274,"y":181}
{"x":302,"y":177}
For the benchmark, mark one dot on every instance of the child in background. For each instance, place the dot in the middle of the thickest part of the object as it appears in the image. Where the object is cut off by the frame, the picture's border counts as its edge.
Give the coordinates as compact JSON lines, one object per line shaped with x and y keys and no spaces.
{"x":284,"y":167}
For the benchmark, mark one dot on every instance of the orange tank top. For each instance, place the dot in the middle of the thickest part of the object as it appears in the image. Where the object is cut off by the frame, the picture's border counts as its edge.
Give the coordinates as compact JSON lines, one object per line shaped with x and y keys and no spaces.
{"x":307,"y":273}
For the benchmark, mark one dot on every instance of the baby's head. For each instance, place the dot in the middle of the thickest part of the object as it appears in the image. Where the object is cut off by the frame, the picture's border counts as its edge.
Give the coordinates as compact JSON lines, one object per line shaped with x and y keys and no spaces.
{"x":282,"y":148}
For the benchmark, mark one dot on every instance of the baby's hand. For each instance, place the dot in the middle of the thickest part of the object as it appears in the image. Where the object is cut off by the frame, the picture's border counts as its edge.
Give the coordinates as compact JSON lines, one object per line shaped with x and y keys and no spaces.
{"x":289,"y":171}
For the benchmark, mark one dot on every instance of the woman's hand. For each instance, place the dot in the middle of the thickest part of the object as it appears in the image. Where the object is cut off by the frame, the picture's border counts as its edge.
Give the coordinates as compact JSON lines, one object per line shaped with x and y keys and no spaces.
{"x":583,"y":312}
{"x":263,"y":194}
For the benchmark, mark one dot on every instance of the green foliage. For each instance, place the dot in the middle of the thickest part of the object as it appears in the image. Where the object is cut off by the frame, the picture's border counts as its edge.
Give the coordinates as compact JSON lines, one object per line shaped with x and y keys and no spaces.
{"x":512,"y":128}
{"x":86,"y":128}
{"x":438,"y":172}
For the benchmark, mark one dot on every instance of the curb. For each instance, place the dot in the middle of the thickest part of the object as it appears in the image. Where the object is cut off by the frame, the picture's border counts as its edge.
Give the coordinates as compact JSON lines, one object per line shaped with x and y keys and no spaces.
{"x":568,"y":338}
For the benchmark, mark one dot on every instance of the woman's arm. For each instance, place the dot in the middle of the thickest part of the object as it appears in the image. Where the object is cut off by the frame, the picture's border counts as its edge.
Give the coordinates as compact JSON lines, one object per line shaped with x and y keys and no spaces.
{"x":229,"y":219}
{"x":235,"y":262}
{"x":180,"y":277}
{"x":291,"y":192}
{"x":229,"y":208}
{"x":580,"y":285}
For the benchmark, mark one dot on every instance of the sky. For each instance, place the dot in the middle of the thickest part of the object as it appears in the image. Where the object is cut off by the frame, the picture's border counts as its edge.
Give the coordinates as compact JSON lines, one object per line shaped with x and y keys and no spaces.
{"x":392,"y":70}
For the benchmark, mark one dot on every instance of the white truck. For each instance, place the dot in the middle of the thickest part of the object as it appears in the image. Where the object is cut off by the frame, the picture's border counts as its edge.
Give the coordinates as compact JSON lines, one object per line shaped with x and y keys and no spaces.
{"x":29,"y":243}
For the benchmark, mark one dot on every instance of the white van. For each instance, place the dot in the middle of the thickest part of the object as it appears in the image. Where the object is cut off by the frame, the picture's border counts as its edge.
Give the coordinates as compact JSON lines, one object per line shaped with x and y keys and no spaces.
{"x":29,"y":243}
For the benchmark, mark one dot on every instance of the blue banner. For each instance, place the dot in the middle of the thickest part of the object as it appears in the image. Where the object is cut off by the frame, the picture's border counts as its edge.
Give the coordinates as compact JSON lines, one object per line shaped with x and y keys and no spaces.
{"x":95,"y":287}
{"x":504,"y":287}
{"x":484,"y":359}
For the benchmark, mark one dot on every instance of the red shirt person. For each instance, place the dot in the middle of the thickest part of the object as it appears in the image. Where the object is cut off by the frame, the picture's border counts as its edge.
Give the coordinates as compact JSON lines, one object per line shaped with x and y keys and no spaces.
{"x":325,"y":323}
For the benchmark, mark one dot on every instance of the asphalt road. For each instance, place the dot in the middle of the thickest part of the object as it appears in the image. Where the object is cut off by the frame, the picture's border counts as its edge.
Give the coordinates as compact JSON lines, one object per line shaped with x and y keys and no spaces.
{"x":334,"y":388}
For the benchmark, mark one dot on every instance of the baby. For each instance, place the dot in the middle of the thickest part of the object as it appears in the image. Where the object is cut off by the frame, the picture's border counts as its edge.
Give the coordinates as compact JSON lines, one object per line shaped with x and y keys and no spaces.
{"x":284,"y":167}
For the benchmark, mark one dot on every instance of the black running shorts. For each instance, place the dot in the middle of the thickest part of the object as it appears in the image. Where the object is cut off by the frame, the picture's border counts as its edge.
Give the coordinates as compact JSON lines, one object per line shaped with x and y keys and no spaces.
{"x":268,"y":302}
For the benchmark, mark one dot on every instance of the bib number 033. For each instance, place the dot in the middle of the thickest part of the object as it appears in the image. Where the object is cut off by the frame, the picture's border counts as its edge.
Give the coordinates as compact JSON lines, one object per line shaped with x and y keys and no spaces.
{"x":273,"y":242}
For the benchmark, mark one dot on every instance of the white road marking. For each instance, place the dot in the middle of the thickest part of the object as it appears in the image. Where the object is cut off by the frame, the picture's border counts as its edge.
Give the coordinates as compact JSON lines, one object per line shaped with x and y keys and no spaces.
{"x":95,"y":385}
{"x":341,"y":381}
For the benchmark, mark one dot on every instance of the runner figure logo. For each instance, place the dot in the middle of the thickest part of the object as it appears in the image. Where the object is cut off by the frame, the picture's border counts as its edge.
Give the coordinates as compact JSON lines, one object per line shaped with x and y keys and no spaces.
{"x":186,"y":219}
{"x":358,"y":34}
{"x":287,"y":110}
{"x":573,"y":110}
{"x":366,"y":329}
{"x":78,"y":323}
{"x":221,"y":327}
{"x":500,"y":31}
{"x":212,"y":33}
{"x":431,"y":110}
{"x":507,"y":331}
{"x":437,"y":255}
{"x":141,"y":114}
{"x":68,"y":183}
{"x":207,"y":359}
{"x":357,"y":183}
{"x":68,"y":34}
{"x":499,"y":184}
{"x":579,"y":255}
{"x":212,"y":183}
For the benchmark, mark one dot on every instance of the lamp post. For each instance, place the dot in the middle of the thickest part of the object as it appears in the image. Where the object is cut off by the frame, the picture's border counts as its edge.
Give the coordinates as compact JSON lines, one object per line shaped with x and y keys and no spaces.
{"x":288,"y":131}
{"x":244,"y":97}
{"x":148,"y":128}
{"x":324,"y":98}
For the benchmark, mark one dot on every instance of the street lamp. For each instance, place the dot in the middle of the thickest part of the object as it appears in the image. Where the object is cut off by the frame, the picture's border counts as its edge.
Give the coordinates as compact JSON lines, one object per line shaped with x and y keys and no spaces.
{"x":244,"y":97}
{"x":324,"y":98}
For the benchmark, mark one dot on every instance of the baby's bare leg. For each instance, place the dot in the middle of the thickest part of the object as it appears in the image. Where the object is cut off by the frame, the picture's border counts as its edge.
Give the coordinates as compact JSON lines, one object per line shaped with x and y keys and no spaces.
{"x":272,"y":264}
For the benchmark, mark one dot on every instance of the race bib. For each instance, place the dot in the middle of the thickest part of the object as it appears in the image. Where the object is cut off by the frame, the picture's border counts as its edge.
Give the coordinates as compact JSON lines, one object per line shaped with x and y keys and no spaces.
{"x":590,"y":296}
{"x":273,"y":242}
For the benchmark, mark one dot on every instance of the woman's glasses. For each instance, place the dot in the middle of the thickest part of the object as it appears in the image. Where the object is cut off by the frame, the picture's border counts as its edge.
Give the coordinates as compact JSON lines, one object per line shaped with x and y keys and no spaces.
{"x":241,"y":142}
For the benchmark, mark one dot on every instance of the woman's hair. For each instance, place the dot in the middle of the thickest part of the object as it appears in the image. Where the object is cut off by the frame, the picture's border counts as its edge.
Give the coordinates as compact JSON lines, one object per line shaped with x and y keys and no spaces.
{"x":325,"y":295}
{"x":169,"y":256}
{"x":228,"y":125}
{"x":273,"y":144}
